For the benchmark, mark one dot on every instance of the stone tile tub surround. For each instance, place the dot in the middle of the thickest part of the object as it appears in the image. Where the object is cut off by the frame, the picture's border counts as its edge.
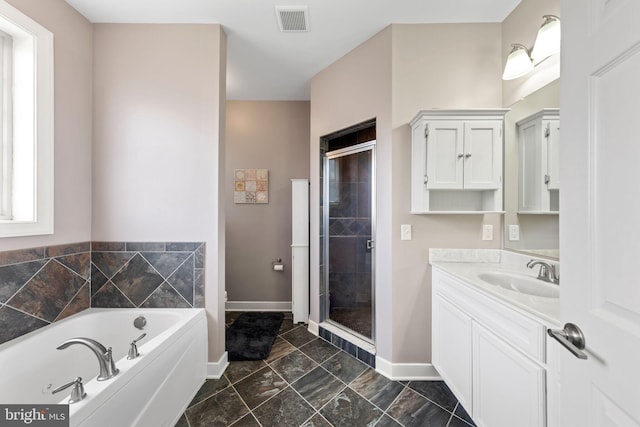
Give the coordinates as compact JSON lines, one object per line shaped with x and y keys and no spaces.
{"x":39,"y":286}
{"x":147,"y":275}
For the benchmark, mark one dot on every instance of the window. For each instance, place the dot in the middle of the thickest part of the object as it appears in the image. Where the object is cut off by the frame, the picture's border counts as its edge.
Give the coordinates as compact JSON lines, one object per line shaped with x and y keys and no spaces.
{"x":26,"y":125}
{"x":6,"y":134}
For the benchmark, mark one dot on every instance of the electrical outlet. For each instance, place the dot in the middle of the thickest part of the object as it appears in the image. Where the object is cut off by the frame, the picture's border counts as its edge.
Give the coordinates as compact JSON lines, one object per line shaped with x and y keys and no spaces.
{"x":405,"y":232}
{"x":514,"y":232}
{"x":487,"y":232}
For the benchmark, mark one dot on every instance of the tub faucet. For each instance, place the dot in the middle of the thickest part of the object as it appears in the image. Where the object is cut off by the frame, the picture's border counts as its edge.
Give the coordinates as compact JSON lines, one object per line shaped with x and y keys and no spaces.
{"x":105,"y":358}
{"x":547,"y":271}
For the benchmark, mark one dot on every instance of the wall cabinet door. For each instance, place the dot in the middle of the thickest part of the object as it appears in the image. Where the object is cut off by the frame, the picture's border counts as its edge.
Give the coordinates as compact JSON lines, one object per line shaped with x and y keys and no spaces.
{"x":538,"y":167}
{"x":553,"y":154}
{"x":464,"y":155}
{"x":452,"y":348}
{"x":508,"y":388}
{"x":456,"y":161}
{"x":445,"y":155}
{"x":482,"y":155}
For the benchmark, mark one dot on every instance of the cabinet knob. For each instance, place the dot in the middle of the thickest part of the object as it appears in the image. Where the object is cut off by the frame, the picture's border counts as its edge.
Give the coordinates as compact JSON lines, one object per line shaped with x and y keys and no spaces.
{"x":460,"y":155}
{"x":467,"y":155}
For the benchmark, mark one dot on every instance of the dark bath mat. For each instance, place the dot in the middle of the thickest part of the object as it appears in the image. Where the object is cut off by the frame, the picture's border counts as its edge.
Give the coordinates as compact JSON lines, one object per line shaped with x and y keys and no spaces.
{"x":252,"y":334}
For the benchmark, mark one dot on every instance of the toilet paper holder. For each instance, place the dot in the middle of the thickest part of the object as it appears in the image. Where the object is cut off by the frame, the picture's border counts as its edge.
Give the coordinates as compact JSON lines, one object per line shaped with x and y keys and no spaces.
{"x":277,"y":265}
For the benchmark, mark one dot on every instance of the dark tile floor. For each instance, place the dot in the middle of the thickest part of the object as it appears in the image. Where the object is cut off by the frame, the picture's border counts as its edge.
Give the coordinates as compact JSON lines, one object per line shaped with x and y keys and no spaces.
{"x":306,"y":381}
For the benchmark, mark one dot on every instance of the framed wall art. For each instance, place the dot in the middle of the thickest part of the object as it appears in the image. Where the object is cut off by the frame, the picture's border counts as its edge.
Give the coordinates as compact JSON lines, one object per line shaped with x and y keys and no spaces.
{"x":251,"y":186}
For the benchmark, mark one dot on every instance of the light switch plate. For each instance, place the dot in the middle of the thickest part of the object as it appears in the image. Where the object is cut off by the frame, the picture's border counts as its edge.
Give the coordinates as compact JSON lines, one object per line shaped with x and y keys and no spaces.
{"x":514,"y":232}
{"x":487,"y":232}
{"x":405,"y":232}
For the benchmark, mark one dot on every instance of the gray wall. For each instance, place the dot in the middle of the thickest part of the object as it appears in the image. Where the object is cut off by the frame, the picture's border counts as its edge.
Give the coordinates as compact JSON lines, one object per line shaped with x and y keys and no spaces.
{"x":272,"y":135}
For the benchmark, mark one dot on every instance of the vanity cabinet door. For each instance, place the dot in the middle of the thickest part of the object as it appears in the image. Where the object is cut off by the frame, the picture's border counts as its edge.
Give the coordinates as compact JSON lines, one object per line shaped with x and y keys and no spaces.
{"x":451,"y":351}
{"x":508,"y":388}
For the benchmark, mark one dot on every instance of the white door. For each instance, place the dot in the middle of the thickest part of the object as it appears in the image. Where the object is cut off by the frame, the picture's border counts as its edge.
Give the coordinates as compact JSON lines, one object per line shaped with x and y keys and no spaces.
{"x":600,"y":201}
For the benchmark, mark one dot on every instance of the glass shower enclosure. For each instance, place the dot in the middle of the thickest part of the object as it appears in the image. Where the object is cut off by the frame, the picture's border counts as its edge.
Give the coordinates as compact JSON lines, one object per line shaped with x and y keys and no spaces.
{"x":348,"y":216}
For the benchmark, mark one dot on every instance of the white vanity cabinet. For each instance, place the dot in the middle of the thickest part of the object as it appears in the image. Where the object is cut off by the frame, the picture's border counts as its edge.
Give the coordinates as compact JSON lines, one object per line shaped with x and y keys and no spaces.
{"x":538,"y":155}
{"x":492,"y":356}
{"x":453,"y":360}
{"x":456,"y":161}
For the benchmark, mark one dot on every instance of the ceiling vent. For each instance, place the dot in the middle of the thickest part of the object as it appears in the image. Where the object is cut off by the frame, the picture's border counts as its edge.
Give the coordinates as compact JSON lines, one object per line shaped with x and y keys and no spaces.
{"x":293,"y":19}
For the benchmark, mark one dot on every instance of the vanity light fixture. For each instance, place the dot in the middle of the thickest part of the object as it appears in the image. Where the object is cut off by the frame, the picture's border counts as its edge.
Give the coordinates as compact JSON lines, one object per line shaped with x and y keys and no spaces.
{"x":520,"y":62}
{"x":548,"y":39}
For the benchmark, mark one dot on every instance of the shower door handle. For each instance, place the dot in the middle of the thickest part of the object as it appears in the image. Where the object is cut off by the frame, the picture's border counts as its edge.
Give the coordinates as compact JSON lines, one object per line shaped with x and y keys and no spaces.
{"x":371,"y":244}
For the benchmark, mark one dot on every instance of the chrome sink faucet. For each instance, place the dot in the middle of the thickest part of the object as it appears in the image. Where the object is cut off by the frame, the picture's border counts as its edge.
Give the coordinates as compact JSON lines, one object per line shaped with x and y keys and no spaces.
{"x":105,"y":358}
{"x":547,"y":271}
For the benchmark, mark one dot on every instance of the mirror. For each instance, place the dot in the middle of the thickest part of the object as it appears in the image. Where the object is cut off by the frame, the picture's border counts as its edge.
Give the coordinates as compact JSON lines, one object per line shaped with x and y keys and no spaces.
{"x":538,"y":232}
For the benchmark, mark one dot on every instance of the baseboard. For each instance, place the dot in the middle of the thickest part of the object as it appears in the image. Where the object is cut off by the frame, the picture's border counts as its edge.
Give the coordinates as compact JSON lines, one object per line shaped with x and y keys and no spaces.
{"x":216,"y":369}
{"x":407,"y":371}
{"x":313,"y":328}
{"x":258,"y":306}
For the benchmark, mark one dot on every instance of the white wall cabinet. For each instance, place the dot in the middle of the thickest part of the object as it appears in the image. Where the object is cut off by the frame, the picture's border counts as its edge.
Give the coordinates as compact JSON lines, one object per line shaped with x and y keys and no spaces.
{"x":456,"y":161}
{"x":538,"y":167}
{"x":492,"y":357}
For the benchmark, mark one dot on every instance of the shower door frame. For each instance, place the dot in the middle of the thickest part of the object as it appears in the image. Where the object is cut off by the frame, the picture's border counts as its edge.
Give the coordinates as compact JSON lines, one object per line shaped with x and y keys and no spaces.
{"x":342,"y":152}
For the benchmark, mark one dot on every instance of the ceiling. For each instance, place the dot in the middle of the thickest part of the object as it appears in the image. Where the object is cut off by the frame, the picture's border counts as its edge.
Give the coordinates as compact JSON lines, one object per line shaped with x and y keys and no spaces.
{"x":265,"y":64}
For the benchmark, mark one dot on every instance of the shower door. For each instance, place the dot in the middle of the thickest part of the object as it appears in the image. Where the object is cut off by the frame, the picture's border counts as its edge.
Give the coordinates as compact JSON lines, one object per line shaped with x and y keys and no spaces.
{"x":349,"y":238}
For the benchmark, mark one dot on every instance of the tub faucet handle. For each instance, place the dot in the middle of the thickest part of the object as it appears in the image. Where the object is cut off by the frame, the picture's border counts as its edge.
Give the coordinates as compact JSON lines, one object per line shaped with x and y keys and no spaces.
{"x":133,"y":348}
{"x":109,"y":357}
{"x":77,"y":394}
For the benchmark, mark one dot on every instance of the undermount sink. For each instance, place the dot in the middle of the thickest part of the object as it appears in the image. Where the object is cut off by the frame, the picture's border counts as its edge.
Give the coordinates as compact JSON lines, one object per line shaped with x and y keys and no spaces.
{"x":521,"y":284}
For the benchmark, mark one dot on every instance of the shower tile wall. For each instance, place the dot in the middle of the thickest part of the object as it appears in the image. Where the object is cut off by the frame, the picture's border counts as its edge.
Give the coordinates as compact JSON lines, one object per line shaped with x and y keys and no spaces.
{"x":39,"y":286}
{"x":349,"y":230}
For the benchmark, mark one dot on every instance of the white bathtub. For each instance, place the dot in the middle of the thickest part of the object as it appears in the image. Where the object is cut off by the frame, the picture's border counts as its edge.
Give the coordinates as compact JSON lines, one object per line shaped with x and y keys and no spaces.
{"x":151,"y":390}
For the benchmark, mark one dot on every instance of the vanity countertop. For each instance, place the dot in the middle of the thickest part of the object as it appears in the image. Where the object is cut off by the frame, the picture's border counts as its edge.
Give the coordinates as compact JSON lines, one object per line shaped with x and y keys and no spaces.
{"x":468,"y":268}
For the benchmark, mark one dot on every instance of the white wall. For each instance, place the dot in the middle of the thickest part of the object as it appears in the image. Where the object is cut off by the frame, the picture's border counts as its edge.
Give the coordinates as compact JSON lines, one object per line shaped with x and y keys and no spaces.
{"x":391,"y":76}
{"x":434,"y":66}
{"x":158,"y":160}
{"x":354,"y":89}
{"x":73,"y":39}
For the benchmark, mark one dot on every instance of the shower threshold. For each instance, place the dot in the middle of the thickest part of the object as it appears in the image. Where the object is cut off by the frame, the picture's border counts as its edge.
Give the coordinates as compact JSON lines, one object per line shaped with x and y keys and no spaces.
{"x":349,"y":336}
